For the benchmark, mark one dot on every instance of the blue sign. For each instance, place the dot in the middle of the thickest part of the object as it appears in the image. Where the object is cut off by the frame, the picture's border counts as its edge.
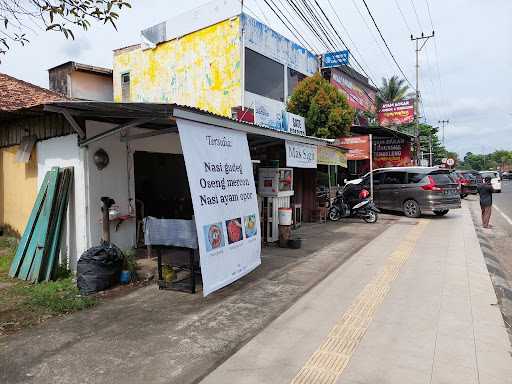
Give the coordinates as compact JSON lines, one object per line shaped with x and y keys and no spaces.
{"x":335,"y":59}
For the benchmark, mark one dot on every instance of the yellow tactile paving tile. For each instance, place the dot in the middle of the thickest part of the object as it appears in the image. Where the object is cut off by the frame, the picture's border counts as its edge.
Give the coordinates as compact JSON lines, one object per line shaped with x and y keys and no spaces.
{"x":328,"y":362}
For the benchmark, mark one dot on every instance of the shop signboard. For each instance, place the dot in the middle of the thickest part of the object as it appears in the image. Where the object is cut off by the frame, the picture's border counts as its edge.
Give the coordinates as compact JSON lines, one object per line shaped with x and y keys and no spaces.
{"x":332,"y":156}
{"x":223,"y":194}
{"x":269,"y":113}
{"x":358,"y":96}
{"x":300,"y":155}
{"x":401,"y":112}
{"x":335,"y":59}
{"x":294,"y":124}
{"x":391,"y":152}
{"x":358,"y":146}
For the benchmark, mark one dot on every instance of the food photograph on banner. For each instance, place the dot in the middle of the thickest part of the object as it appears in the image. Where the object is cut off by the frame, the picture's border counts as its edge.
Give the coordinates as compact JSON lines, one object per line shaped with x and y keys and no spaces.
{"x":221,"y":181}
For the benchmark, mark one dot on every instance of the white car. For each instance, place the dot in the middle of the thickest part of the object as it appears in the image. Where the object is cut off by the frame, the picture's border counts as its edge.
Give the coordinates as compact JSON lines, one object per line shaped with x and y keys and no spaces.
{"x":495,"y":179}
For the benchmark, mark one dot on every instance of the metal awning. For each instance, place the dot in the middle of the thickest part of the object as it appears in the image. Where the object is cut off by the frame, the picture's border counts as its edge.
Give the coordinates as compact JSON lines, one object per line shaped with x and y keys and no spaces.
{"x":161,"y":118}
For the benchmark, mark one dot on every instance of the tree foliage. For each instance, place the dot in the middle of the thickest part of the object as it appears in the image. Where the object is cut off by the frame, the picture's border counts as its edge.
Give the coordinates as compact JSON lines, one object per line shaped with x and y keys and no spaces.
{"x":19,"y":17}
{"x":326,"y":110}
{"x":391,"y":91}
{"x":480,"y":162}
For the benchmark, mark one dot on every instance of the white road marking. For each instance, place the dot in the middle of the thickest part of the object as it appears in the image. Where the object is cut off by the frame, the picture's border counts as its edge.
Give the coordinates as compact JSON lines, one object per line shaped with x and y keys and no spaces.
{"x":503,"y":214}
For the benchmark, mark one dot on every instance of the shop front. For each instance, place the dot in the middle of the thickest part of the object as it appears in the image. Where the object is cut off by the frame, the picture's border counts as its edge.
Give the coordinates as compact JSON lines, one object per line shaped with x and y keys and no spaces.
{"x":190,"y":178}
{"x":390,"y":148}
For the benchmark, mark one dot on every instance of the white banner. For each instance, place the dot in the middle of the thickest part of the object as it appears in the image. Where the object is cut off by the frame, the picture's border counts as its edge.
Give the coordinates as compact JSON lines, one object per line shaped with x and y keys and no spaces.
{"x":300,"y":155}
{"x":294,"y":123}
{"x":223,"y":193}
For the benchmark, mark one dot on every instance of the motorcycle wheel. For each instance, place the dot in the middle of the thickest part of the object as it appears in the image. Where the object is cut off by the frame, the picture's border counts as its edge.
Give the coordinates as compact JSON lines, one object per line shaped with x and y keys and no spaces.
{"x":334,"y":214}
{"x":371,"y":218}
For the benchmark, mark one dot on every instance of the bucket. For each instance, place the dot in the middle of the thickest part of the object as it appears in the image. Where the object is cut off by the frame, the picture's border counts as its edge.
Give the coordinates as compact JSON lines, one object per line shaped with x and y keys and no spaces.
{"x":285,"y":216}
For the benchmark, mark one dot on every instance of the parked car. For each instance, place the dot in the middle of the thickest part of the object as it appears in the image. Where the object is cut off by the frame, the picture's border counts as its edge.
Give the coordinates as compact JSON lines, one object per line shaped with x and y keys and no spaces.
{"x":468,"y":183}
{"x":495,"y":179}
{"x":507,"y":175}
{"x":412,"y":190}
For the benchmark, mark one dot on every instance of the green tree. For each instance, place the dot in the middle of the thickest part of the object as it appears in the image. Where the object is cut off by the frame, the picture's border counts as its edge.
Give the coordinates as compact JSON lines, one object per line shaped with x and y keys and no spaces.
{"x":325,"y":109}
{"x":391,"y":91}
{"x":17,"y":17}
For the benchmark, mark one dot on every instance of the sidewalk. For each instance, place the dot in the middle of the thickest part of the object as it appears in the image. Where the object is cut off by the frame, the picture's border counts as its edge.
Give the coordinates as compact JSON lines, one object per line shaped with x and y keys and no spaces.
{"x":416,"y":305}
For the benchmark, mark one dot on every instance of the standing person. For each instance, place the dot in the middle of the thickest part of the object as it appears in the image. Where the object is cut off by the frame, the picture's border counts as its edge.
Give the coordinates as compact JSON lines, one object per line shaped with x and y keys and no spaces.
{"x":485,"y":190}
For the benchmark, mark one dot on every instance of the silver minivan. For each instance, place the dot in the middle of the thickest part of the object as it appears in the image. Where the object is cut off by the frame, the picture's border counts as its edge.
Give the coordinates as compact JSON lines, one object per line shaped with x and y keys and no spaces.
{"x":414,"y":190}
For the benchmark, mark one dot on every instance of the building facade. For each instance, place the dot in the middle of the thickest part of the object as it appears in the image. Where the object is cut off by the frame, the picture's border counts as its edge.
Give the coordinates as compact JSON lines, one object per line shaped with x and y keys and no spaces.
{"x":214,"y":58}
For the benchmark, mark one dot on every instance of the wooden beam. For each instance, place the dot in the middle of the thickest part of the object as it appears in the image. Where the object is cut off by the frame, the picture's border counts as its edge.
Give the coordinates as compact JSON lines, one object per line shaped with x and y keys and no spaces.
{"x":71,"y":120}
{"x":113,"y":131}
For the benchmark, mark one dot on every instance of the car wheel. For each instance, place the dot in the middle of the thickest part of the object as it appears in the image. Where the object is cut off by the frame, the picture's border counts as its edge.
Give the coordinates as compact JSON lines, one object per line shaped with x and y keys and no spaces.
{"x":441,"y":213}
{"x":412,"y":209}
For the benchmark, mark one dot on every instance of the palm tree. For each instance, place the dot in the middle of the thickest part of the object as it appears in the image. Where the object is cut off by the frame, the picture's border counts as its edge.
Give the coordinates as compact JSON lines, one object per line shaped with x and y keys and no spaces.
{"x":391,"y":91}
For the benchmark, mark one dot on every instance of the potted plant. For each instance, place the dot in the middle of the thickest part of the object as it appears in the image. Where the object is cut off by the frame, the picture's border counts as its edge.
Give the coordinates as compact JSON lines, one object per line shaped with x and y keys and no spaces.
{"x":129,"y":267}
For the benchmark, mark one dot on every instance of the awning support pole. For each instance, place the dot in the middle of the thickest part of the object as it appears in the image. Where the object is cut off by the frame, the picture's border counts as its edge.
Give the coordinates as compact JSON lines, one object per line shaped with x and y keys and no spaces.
{"x":114,"y":130}
{"x":70,"y":119}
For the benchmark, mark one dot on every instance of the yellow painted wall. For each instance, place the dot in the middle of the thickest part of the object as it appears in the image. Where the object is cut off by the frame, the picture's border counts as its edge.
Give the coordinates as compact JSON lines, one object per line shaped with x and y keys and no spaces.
{"x":18,"y":189}
{"x":201,"y":69}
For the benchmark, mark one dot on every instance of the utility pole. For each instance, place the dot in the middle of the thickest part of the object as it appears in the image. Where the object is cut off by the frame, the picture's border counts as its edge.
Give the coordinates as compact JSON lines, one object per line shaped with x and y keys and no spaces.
{"x":443,"y":122}
{"x":417,"y":107}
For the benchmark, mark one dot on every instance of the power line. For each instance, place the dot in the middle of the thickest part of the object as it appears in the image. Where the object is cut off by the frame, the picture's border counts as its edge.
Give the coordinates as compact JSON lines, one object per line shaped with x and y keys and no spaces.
{"x":286,"y":25}
{"x":345,"y":45}
{"x":385,"y":57}
{"x":386,"y":44}
{"x":417,"y":17}
{"x":349,"y":37}
{"x":403,"y":17}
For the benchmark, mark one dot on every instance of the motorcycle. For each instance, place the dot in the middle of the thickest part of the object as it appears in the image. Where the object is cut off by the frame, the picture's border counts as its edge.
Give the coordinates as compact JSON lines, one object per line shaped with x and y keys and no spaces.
{"x":365,"y":208}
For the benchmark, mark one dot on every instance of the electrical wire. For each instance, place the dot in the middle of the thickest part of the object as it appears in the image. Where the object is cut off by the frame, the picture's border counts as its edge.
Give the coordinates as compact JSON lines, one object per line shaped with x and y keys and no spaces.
{"x":386,"y":44}
{"x":417,"y":17}
{"x":372,"y":34}
{"x":286,"y":25}
{"x":403,"y":17}
{"x":349,"y":37}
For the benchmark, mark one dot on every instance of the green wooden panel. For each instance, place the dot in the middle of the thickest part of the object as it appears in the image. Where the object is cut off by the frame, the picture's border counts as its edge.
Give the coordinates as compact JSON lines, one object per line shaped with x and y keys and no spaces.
{"x":62,"y":202}
{"x":44,"y":226}
{"x":29,"y":229}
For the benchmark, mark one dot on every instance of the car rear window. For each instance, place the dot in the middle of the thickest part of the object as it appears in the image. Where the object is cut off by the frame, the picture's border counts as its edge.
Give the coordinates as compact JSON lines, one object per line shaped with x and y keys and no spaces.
{"x":413,"y":178}
{"x":442,"y":178}
{"x":492,"y":175}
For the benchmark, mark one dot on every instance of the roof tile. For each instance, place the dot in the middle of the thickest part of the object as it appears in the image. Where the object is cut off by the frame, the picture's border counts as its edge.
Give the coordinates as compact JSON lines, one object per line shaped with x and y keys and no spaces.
{"x":17,"y":94}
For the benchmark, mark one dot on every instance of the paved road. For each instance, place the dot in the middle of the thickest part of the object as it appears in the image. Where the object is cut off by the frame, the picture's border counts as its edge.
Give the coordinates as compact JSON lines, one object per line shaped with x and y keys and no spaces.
{"x":496,"y":244}
{"x":414,"y":306}
{"x":503,"y":200}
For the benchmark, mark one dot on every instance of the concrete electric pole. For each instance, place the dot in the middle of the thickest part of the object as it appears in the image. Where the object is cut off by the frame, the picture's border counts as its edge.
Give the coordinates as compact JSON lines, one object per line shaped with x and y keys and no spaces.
{"x":443,"y":122}
{"x":417,"y":107}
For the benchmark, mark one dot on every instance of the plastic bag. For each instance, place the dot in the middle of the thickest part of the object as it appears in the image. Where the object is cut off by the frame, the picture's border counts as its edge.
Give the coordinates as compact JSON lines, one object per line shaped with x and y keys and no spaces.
{"x":98,"y":268}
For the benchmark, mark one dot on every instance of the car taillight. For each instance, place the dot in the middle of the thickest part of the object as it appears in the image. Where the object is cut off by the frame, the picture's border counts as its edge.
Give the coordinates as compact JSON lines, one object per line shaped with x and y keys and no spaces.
{"x":464,"y":181}
{"x":431,"y":186}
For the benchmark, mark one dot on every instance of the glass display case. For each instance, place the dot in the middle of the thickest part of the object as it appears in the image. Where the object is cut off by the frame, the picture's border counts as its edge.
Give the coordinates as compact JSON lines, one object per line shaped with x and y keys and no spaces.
{"x":275,"y":182}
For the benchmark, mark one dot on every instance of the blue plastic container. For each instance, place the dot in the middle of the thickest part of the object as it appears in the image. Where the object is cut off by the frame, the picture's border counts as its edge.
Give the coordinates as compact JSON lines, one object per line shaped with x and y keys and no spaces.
{"x":125,"y":277}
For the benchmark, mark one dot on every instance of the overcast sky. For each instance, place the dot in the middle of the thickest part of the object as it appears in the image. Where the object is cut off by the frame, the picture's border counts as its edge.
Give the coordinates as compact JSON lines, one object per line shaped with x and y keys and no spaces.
{"x":466,"y":74}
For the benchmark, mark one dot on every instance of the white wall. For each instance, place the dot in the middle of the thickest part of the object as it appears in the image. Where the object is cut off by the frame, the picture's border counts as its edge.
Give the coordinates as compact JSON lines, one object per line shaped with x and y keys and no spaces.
{"x":91,"y":87}
{"x":64,"y":152}
{"x":117,"y":179}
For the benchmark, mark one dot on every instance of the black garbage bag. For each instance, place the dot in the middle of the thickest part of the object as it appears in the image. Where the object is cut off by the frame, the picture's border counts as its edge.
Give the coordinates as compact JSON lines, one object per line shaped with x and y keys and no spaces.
{"x":98,"y":268}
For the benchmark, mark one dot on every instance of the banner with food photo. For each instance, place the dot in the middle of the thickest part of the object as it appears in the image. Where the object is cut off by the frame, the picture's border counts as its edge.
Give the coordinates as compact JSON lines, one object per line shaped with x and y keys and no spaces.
{"x":223,"y":191}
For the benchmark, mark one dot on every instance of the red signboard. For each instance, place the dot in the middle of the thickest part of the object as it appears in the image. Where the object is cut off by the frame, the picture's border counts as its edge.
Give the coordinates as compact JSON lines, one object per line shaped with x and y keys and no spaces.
{"x":358,"y":147}
{"x":401,"y":112}
{"x":391,"y":152}
{"x":358,"y":96}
